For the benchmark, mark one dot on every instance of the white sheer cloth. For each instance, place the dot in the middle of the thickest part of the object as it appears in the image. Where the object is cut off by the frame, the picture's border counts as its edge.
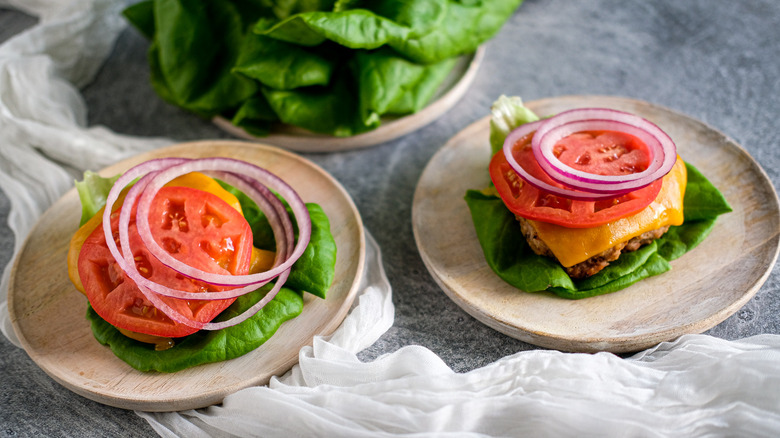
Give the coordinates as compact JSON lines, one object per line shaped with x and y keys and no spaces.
{"x":695,"y":386}
{"x":44,"y":140}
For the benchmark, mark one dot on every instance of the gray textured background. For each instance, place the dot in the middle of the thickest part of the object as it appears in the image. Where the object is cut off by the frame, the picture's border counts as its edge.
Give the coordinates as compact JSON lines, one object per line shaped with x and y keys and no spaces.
{"x":715,"y":60}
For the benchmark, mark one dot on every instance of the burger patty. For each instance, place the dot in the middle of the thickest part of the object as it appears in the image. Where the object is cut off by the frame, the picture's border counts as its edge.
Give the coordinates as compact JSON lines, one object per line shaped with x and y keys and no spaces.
{"x":596,"y":263}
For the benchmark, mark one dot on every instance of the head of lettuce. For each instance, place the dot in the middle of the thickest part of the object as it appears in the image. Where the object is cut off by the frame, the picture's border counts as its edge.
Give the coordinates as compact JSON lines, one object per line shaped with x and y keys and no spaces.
{"x":331,"y":67}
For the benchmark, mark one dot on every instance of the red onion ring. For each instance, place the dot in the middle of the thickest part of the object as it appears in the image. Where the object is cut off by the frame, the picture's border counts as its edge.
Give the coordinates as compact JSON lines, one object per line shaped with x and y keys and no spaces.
{"x":237,"y":167}
{"x":662,"y":149}
{"x":141,"y":281}
{"x":181,"y":319}
{"x":582,"y":185}
{"x":528,"y":129}
{"x":254,"y":182}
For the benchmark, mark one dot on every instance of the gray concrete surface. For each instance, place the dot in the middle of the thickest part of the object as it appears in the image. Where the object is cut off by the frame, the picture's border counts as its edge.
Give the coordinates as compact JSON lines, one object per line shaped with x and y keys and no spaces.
{"x":714,"y":60}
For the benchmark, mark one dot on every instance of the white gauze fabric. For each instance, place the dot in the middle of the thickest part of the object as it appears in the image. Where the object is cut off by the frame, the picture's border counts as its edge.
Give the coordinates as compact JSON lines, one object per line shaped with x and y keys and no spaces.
{"x":695,"y":386}
{"x":44,"y":141}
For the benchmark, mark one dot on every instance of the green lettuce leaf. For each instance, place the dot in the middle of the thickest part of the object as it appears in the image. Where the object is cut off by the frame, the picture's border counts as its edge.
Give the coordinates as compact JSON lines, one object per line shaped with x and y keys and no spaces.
{"x":315,"y":270}
{"x":364,"y":88}
{"x":93,"y":191}
{"x":194,"y":48}
{"x":331,"y":109}
{"x":422,"y":30}
{"x":282,"y":65}
{"x":141,"y":15}
{"x":705,"y":202}
{"x":468,"y":24}
{"x":507,"y":113}
{"x":505,"y":249}
{"x":255,"y":116}
{"x":205,"y":346}
{"x":390,"y":84}
{"x":380,"y":22}
{"x":384,"y":83}
{"x":284,"y":8}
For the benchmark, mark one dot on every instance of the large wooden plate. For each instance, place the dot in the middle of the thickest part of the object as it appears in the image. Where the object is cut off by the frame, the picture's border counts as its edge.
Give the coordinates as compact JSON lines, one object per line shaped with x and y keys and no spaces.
{"x":301,"y":140}
{"x":704,"y":287}
{"x":48,"y":313}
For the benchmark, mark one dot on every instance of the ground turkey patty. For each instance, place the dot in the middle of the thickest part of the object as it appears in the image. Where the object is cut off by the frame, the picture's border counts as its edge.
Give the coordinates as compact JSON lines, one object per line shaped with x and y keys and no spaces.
{"x":596,"y":263}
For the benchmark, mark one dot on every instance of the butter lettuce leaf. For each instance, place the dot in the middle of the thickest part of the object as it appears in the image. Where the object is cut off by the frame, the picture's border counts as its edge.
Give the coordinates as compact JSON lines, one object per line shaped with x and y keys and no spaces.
{"x":423,"y":31}
{"x":507,"y":113}
{"x":141,"y":15}
{"x":468,"y":24}
{"x":390,"y":84}
{"x":367,"y":86}
{"x":193,"y":50}
{"x":93,"y":191}
{"x":205,"y":346}
{"x":380,"y":22}
{"x":705,"y":201}
{"x":255,"y":116}
{"x":282,"y":65}
{"x":506,"y":250}
{"x":285,"y":8}
{"x":329,"y":109}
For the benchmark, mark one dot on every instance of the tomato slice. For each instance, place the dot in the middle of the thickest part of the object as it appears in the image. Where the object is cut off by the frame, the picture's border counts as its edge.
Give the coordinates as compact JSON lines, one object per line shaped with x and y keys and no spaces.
{"x":197,"y":228}
{"x":604,"y":153}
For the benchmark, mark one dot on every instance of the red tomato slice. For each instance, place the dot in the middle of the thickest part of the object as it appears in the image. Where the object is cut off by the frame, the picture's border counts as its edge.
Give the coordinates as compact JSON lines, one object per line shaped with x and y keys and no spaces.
{"x":197,"y":228}
{"x":588,"y":152}
{"x":603,"y":152}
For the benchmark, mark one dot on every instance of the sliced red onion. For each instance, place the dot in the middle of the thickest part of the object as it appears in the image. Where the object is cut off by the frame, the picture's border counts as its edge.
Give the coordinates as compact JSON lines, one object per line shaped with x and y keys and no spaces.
{"x":113,"y":195}
{"x":255,"y":183}
{"x":128,"y":263}
{"x":582,"y":185}
{"x":269,"y":204}
{"x":181,"y":319}
{"x":528,"y":129}
{"x":237,"y":167}
{"x":663,"y":151}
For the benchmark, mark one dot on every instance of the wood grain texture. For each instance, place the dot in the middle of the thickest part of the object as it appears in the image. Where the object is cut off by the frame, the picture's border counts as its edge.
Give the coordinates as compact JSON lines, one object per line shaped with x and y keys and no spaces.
{"x":704,"y":287}
{"x":300,"y":140}
{"x":49,"y":314}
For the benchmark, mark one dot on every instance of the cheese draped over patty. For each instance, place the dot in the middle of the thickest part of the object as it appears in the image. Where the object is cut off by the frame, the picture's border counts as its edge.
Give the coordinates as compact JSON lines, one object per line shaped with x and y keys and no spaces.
{"x":575,"y":245}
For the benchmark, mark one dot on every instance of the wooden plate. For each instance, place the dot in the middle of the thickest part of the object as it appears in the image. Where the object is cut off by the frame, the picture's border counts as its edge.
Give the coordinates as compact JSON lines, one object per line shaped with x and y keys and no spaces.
{"x":48,"y":313}
{"x":301,"y":140}
{"x":704,"y":287}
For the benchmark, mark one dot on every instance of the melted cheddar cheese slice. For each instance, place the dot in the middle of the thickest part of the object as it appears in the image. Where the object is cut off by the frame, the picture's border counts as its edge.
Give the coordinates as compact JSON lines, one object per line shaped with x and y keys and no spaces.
{"x":575,"y":245}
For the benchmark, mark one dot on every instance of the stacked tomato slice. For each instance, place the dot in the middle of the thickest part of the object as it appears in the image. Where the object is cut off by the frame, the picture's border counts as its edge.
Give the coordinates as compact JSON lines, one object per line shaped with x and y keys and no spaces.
{"x":578,"y":171}
{"x":195,"y":227}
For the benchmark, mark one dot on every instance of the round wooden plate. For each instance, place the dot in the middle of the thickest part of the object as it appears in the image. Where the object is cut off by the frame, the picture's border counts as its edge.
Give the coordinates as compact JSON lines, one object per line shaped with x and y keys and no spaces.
{"x":49,"y":314}
{"x":301,"y":140}
{"x":704,"y":287}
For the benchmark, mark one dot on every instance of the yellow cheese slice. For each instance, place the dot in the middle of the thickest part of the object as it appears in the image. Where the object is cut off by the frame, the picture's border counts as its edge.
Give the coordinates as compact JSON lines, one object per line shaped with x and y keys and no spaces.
{"x":575,"y":245}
